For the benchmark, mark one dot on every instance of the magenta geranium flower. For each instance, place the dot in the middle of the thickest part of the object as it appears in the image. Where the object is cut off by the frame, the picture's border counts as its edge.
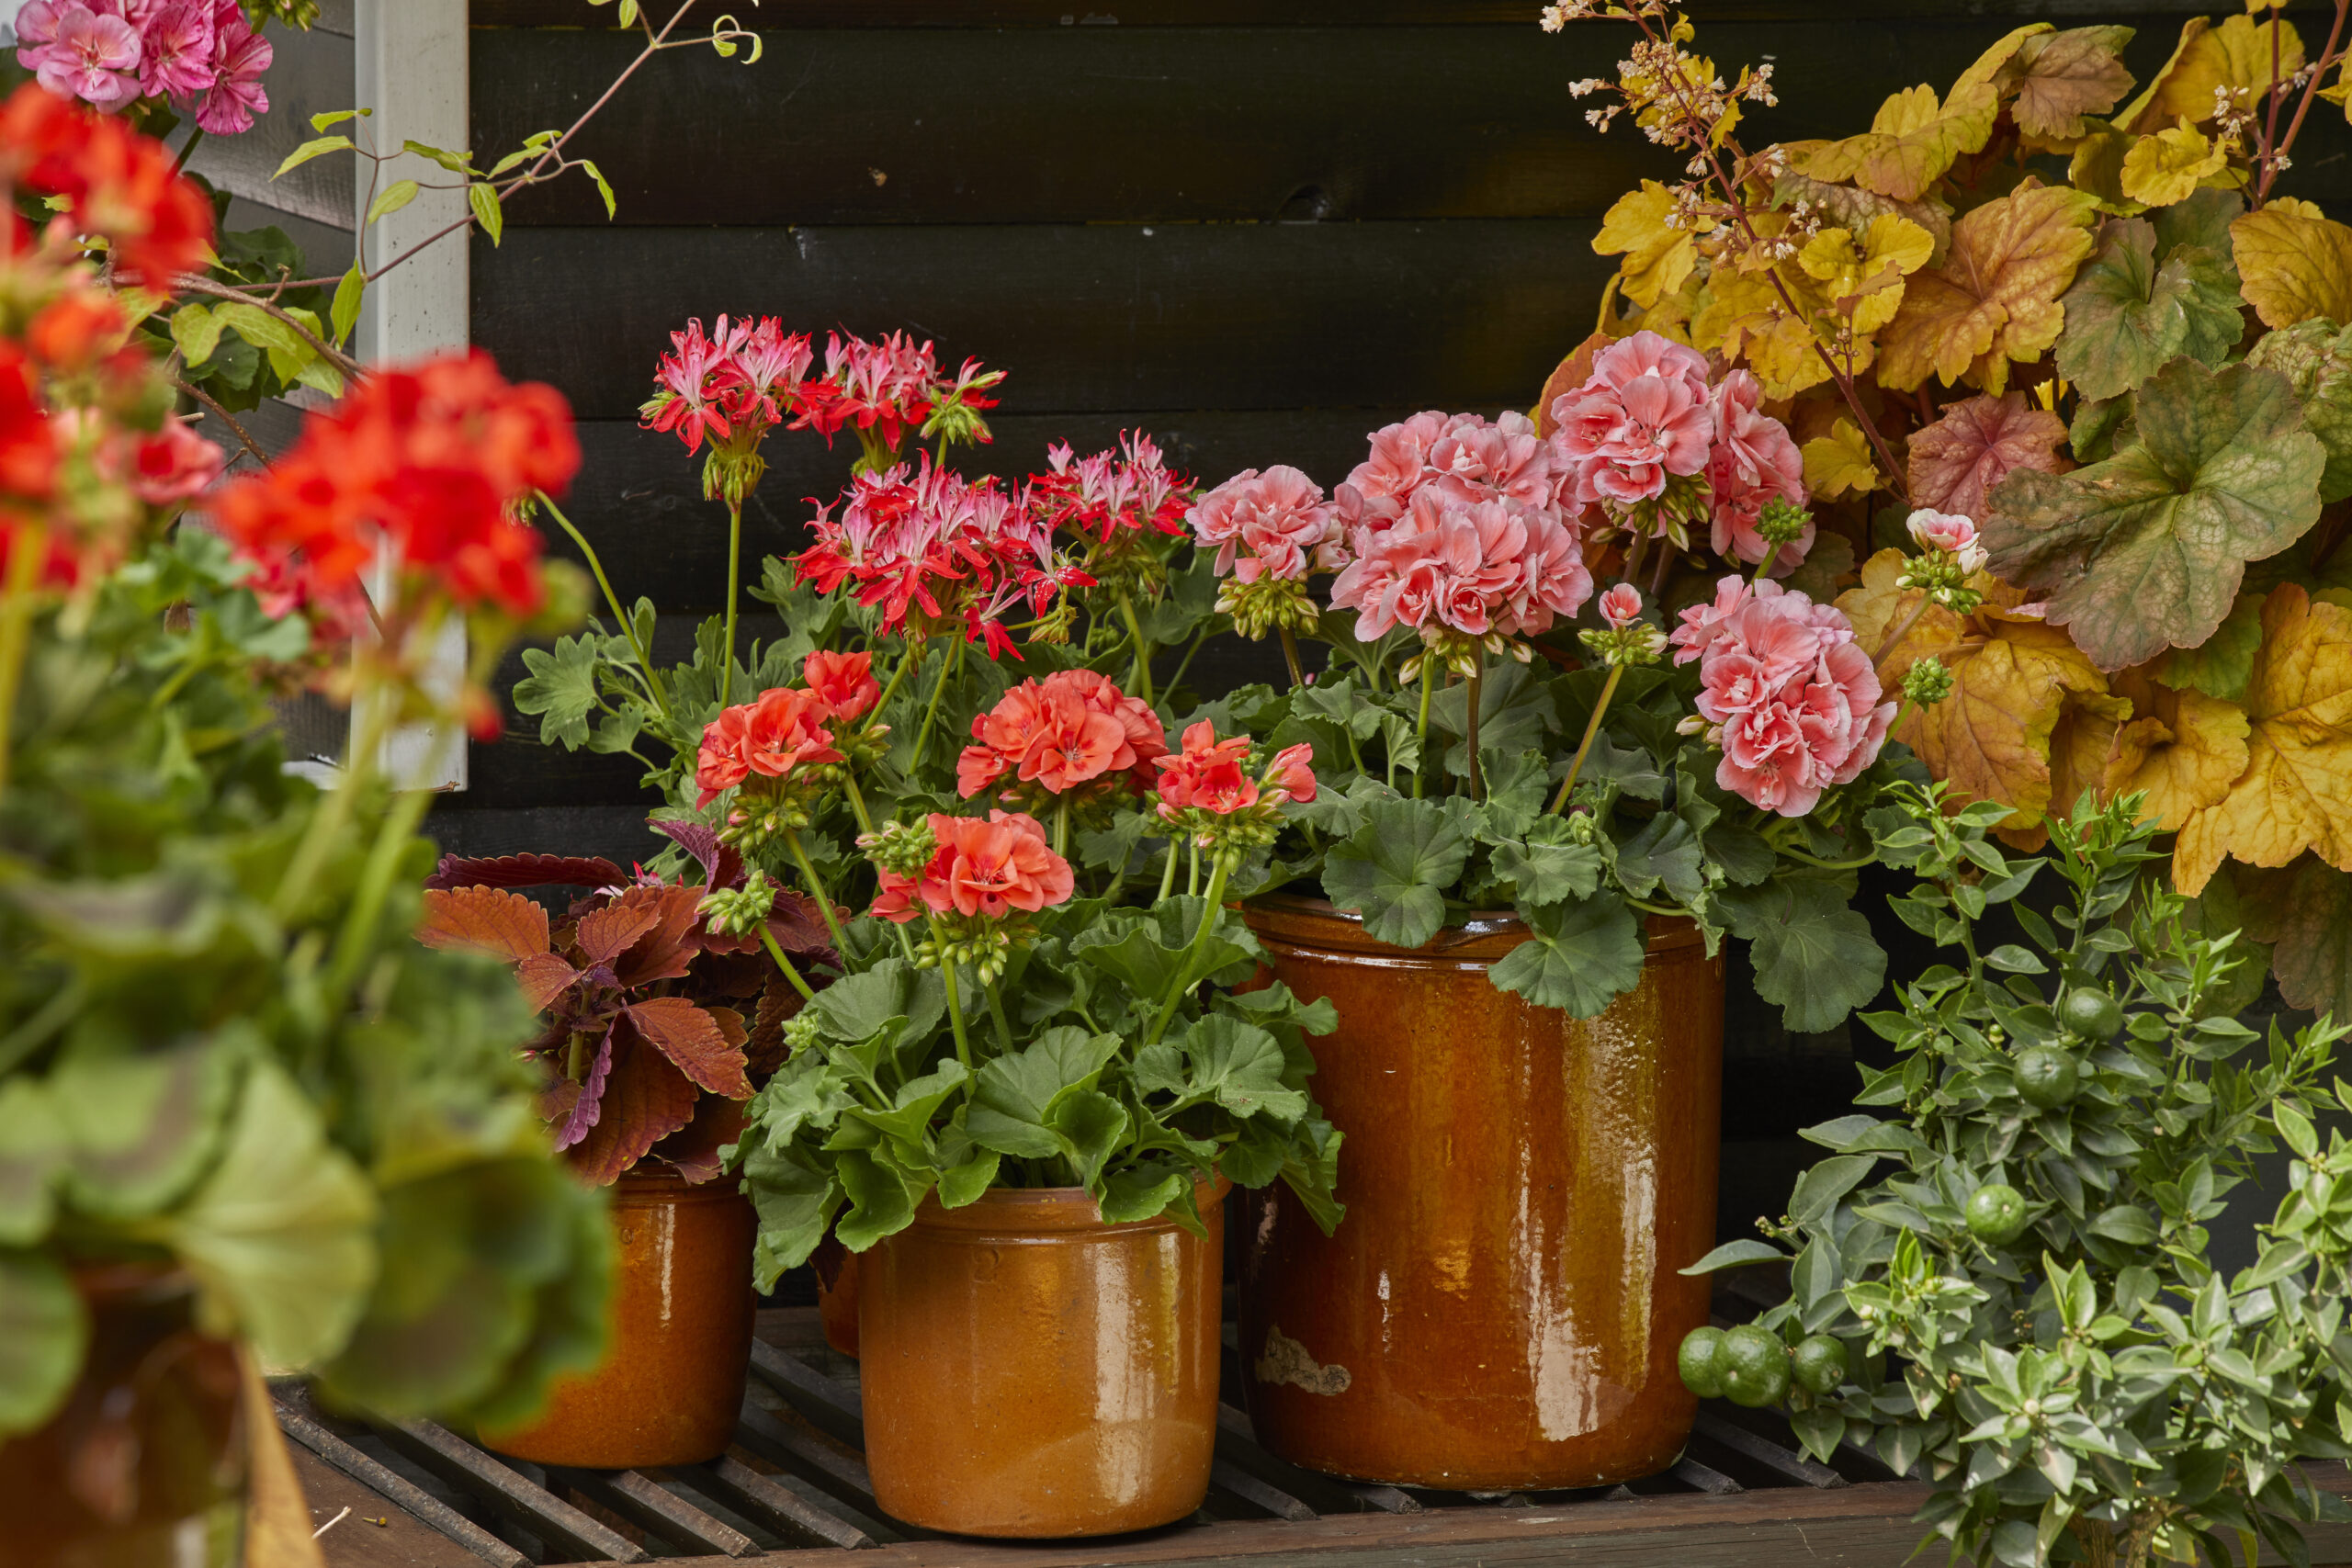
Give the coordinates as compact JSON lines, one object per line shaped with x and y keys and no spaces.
{"x":87,"y":56}
{"x":240,"y":59}
{"x":177,"y":45}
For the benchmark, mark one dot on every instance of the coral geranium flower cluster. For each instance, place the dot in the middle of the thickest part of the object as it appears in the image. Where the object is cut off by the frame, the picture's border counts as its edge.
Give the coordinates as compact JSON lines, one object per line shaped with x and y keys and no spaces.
{"x":934,"y":549}
{"x":198,"y":53}
{"x":1208,"y":794}
{"x":1785,"y":691}
{"x":787,"y":729}
{"x":980,"y":870}
{"x":1648,"y":444}
{"x":428,"y":462}
{"x":1460,"y":532}
{"x":1061,"y":735}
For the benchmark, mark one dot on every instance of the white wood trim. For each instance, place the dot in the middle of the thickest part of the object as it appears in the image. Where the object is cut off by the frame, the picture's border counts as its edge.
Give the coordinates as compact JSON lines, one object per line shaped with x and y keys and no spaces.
{"x":411,"y":64}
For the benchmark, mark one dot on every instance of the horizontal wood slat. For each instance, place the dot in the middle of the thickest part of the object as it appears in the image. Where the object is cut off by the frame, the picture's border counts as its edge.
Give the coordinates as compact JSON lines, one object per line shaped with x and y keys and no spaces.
{"x":1099,"y":318}
{"x":1120,"y":124}
{"x":1513,"y":13}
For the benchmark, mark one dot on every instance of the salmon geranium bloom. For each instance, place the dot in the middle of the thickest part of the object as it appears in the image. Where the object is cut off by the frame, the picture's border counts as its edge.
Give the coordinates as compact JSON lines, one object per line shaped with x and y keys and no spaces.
{"x":1070,"y":729}
{"x":772,"y":738}
{"x":1207,"y":775}
{"x":985,"y":870}
{"x":844,"y":682}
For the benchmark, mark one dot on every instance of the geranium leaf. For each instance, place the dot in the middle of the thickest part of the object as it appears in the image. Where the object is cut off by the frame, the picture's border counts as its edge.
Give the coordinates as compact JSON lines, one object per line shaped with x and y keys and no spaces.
{"x":2144,"y":551}
{"x":2296,"y":792}
{"x":1994,"y":300}
{"x":2293,"y":267}
{"x":141,"y":1123}
{"x":796,"y":1203}
{"x":1241,"y":1067}
{"x":645,"y":1101}
{"x":560,"y":688}
{"x":281,"y":1236}
{"x":526,"y":871}
{"x":1580,"y":956}
{"x":1955,"y":462}
{"x":1395,"y":870}
{"x":2316,"y":358}
{"x":32,"y":1159}
{"x":1913,"y":138}
{"x":1814,"y":956}
{"x":879,"y":1201}
{"x":1091,"y":1126}
{"x":695,"y":1044}
{"x":2125,"y":315}
{"x":484,"y":920}
{"x":43,"y":1333}
{"x":1548,"y":867}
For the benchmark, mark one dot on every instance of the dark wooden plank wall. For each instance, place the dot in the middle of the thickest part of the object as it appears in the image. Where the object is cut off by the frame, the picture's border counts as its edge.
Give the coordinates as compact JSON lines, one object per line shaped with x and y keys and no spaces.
{"x":1257,"y":228}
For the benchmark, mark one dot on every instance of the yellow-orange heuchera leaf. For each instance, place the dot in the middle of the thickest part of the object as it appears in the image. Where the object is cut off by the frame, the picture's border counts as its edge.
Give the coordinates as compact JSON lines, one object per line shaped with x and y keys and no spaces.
{"x":1841,"y":461}
{"x":2296,"y":792}
{"x":2168,"y":166}
{"x":2234,"y":56}
{"x":1745,"y":317}
{"x":2064,"y":78}
{"x":2013,"y":678}
{"x":2293,"y":267}
{"x":1911,"y":141}
{"x":1659,"y":256}
{"x":1996,"y":297}
{"x":1868,"y":268}
{"x":2182,"y":749}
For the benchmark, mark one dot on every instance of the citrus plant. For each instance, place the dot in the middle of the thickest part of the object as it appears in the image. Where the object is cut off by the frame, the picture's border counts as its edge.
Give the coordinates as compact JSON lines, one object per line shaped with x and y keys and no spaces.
{"x":2004,"y":1286}
{"x":2084,"y":312}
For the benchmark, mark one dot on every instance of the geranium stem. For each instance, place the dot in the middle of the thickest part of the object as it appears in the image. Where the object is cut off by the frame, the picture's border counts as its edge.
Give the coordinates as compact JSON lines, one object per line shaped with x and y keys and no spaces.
{"x":31,"y":549}
{"x":856,"y":803}
{"x":1193,"y":872}
{"x":1187,"y":977}
{"x":1168,"y":873}
{"x":767,"y":940}
{"x":955,"y":1018}
{"x":1139,"y":677}
{"x":1290,"y":657}
{"x":1421,"y":729}
{"x":354,"y":944}
{"x":734,"y":571}
{"x":816,"y":890}
{"x":996,"y":1011}
{"x":1771,"y":549}
{"x":611,"y":603}
{"x":907,"y":661}
{"x":1061,"y":826}
{"x":1478,"y":680}
{"x":938,"y":690}
{"x":1591,"y":729}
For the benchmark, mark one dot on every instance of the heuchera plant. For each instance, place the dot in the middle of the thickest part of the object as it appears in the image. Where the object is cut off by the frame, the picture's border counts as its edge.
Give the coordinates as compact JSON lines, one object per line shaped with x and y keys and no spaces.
{"x":1501,"y":754}
{"x":2089,"y":321}
{"x":221,"y":1054}
{"x":2006,"y":1288}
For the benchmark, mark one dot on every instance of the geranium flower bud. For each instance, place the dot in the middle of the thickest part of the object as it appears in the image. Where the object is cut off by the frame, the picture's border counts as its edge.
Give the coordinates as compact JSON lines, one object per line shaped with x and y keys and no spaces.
{"x":1928,"y":683}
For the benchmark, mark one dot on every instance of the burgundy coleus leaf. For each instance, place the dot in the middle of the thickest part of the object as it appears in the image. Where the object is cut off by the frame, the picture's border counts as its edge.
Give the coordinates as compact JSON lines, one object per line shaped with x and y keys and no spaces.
{"x":799,"y":925}
{"x":645,"y":1101}
{"x":604,"y":935}
{"x":524,"y":871}
{"x":585,"y":1104}
{"x":693,"y":1148}
{"x":483,"y":919}
{"x":696,"y":1042}
{"x":722,"y":867}
{"x":544,"y":977}
{"x":764,"y":1052}
{"x":1956,"y":461}
{"x":667,"y":949}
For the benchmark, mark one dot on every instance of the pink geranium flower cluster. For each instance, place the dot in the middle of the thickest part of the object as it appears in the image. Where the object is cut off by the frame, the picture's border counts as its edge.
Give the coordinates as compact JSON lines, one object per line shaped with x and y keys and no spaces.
{"x":882,"y":390}
{"x":743,"y":378}
{"x":1457,"y":525}
{"x":1272,"y":526}
{"x":1785,"y":691}
{"x":926,"y":542}
{"x":1108,"y":494}
{"x":1648,"y":418}
{"x":110,"y":53}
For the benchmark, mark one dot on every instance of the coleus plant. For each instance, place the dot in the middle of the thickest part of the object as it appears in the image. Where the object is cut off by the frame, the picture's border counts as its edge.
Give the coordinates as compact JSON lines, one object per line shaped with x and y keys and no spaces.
{"x":2092,"y":321}
{"x":2006,"y":1288}
{"x":653,"y":1022}
{"x":994,"y":1024}
{"x":1600,"y":786}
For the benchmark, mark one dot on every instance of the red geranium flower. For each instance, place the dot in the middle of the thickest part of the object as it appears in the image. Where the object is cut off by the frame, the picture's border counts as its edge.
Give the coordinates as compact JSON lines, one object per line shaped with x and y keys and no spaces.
{"x":772,"y":736}
{"x":116,"y":182}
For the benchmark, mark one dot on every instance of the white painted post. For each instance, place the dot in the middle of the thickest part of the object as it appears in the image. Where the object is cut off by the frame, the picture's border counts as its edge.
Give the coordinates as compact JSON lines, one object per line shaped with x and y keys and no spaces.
{"x":412,"y":69}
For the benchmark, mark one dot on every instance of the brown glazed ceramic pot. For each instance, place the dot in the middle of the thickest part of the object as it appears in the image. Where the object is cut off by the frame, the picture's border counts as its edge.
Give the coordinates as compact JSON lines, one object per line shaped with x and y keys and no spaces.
{"x":1030,"y":1371}
{"x":147,"y":1461}
{"x":1500,"y":1308}
{"x":836,"y":1269}
{"x":671,"y":1385}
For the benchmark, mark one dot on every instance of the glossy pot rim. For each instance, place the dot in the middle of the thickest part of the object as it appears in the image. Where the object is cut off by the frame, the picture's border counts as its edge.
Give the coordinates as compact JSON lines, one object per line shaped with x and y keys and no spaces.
{"x":1049,"y":1211}
{"x":646,"y":1184}
{"x":1487,"y":933}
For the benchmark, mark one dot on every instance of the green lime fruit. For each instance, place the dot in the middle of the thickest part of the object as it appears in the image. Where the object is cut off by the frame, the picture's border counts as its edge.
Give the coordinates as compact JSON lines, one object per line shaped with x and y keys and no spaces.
{"x":1754,"y":1366}
{"x":1697,"y":1361}
{"x":2046,"y":1076}
{"x":1818,"y":1364}
{"x":1996,"y":1213}
{"x":2094,"y":1015}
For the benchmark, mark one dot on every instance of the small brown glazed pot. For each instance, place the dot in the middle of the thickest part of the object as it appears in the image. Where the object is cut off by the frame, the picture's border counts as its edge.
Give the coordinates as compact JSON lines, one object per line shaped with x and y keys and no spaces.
{"x":836,"y":1269}
{"x":1502,"y":1307}
{"x":671,"y":1386}
{"x":147,"y":1462}
{"x":1030,"y":1371}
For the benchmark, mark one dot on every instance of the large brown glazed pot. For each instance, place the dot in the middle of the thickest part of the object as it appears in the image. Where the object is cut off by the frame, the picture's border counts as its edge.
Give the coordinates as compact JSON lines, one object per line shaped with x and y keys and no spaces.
{"x":671,"y":1386}
{"x":147,"y":1462}
{"x":1502,"y":1307}
{"x":1030,"y":1371}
